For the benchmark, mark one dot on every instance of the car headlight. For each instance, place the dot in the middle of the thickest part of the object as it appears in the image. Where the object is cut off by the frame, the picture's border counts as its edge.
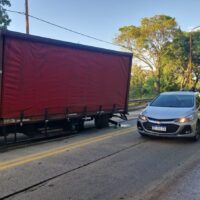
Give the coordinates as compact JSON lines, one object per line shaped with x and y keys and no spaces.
{"x":143,"y":117}
{"x":185,"y":119}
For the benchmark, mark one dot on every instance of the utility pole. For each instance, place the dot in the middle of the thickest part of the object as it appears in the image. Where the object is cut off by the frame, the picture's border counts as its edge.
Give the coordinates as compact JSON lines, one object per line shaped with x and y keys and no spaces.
{"x":27,"y":16}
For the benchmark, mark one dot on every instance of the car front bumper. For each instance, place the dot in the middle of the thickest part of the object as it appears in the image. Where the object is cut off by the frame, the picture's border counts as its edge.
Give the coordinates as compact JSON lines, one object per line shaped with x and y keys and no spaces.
{"x":173,"y":129}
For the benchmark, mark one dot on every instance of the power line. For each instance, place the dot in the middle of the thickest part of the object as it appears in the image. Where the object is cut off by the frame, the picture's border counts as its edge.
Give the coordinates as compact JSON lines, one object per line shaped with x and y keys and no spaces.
{"x":64,"y":28}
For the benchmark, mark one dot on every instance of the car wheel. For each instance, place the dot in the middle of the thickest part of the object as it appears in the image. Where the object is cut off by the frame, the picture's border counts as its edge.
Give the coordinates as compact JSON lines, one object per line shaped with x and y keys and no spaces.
{"x":197,"y":133}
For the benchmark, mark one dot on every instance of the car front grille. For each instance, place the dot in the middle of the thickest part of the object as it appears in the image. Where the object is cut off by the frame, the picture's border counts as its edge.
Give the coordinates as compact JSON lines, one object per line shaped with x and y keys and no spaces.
{"x":161,"y":120}
{"x":170,"y":128}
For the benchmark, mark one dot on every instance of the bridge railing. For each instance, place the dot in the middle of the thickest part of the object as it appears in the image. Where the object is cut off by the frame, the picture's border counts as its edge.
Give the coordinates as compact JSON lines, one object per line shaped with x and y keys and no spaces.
{"x":135,"y":104}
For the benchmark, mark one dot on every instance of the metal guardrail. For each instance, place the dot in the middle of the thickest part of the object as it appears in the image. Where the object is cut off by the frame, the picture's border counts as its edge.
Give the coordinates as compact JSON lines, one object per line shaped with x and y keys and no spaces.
{"x":139,"y":100}
{"x":141,"y":104}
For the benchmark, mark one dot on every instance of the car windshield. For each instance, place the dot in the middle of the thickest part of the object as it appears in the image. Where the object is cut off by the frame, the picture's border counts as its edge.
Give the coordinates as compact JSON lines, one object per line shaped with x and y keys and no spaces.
{"x":179,"y":101}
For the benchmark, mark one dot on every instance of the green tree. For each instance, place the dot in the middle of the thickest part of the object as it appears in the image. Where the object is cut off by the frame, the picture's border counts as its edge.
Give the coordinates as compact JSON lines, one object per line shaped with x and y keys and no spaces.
{"x":149,"y":86}
{"x":4,"y":18}
{"x":142,"y":83}
{"x":196,"y":57}
{"x":137,"y":81}
{"x":171,"y":79}
{"x":175,"y":62}
{"x":147,"y":41}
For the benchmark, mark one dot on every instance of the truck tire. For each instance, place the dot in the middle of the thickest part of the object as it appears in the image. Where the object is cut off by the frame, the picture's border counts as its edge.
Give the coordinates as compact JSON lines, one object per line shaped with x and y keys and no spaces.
{"x":80,"y":125}
{"x":68,"y":126}
{"x":101,"y":121}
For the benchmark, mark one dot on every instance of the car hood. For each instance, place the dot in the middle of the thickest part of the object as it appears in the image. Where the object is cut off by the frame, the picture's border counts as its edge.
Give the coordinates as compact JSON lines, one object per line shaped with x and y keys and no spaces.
{"x":166,"y":112}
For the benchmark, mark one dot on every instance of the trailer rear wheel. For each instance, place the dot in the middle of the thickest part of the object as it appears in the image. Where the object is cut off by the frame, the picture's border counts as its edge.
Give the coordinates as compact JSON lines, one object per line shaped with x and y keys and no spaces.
{"x":101,"y":121}
{"x":80,"y":125}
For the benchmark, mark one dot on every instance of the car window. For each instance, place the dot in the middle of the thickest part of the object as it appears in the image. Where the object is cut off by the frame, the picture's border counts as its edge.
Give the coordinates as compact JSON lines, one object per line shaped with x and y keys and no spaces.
{"x":179,"y":101}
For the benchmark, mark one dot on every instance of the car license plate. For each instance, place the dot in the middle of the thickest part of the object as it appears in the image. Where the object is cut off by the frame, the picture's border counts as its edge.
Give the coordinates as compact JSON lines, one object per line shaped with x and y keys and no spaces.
{"x":159,"y":128}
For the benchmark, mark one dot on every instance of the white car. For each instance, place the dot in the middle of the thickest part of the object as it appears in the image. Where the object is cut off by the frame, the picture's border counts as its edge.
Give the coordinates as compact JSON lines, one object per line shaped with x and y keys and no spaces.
{"x":172,"y":114}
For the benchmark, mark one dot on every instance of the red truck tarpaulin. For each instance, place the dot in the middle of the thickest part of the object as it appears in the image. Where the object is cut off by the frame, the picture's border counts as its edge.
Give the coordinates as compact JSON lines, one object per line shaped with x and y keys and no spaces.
{"x":39,"y":76}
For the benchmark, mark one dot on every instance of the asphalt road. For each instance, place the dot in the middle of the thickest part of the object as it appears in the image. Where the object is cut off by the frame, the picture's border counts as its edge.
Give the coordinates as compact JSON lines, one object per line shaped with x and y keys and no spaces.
{"x":97,"y":164}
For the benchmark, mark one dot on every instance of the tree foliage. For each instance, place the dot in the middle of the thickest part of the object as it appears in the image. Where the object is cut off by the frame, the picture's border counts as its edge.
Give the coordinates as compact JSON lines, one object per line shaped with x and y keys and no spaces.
{"x":177,"y":55}
{"x":137,"y":81}
{"x":4,"y":18}
{"x":142,"y":83}
{"x":147,"y":41}
{"x":175,"y":60}
{"x":196,"y":57}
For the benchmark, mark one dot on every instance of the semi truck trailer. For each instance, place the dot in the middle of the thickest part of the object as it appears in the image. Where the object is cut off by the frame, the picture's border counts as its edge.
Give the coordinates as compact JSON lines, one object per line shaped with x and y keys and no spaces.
{"x":48,"y":83}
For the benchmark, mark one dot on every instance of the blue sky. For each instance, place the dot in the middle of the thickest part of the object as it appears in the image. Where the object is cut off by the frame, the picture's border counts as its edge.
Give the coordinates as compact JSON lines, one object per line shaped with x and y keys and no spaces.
{"x":99,"y":18}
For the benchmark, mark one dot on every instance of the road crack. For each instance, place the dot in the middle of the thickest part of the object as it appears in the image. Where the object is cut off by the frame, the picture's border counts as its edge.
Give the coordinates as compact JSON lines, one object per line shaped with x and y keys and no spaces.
{"x":45,"y":181}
